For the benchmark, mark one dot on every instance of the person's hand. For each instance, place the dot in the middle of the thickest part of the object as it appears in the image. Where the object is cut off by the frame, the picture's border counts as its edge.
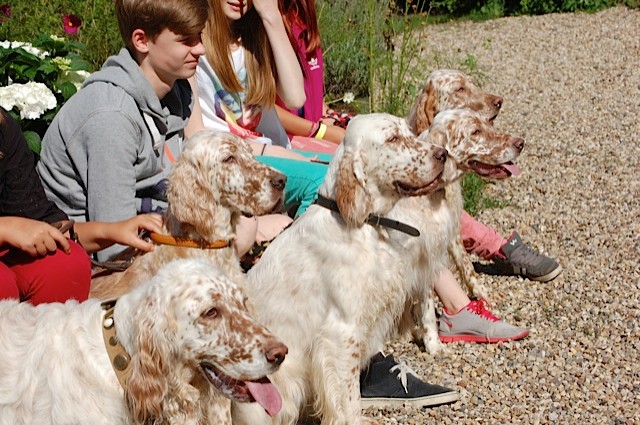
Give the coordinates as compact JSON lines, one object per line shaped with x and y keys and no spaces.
{"x":126,"y":232}
{"x":267,"y":9}
{"x":34,"y":237}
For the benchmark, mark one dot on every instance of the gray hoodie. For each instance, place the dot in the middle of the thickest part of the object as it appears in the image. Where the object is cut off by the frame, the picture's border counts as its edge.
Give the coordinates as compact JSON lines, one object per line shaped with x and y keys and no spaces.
{"x":105,"y":150}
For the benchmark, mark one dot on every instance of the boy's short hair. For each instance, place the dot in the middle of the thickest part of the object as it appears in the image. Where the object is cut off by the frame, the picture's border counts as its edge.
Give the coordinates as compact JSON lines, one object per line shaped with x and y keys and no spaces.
{"x":184,"y":17}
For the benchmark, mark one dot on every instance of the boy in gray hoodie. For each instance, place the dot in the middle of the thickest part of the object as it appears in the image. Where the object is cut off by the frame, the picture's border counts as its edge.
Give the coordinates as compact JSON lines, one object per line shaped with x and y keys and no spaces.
{"x":104,"y":157}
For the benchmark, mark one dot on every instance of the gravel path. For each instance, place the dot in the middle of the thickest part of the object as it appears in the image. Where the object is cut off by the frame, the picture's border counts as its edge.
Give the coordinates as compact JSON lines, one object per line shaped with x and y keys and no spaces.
{"x":571,"y":84}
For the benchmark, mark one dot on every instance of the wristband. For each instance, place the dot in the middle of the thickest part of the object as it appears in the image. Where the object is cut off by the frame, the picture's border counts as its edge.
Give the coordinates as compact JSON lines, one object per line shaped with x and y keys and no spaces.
{"x":321,"y":131}
{"x":315,"y":126}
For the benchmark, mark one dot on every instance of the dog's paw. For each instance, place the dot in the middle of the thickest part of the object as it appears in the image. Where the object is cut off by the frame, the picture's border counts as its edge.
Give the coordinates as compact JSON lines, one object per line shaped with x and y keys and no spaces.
{"x":434,"y":346}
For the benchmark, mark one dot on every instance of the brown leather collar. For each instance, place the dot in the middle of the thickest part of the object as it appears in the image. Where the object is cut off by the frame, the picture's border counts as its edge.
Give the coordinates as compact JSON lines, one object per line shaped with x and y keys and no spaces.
{"x":188,"y":243}
{"x":120,"y":359}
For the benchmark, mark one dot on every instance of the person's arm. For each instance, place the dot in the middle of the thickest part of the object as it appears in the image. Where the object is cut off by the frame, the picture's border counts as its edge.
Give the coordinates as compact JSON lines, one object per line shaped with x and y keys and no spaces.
{"x":95,"y":236}
{"x":195,"y":122}
{"x":34,"y":237}
{"x":290,"y":82}
{"x":299,"y":126}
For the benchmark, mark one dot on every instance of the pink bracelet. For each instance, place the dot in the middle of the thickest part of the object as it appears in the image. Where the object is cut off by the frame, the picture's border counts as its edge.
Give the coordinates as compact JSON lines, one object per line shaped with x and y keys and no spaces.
{"x":314,"y":129}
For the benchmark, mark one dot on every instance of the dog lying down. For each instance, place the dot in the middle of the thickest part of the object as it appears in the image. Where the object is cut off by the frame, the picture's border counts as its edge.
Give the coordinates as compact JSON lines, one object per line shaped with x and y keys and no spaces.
{"x":183,"y":347}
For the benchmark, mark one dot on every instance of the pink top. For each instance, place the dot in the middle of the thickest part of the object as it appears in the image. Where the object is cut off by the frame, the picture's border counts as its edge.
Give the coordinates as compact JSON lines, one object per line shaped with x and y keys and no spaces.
{"x":313,"y":70}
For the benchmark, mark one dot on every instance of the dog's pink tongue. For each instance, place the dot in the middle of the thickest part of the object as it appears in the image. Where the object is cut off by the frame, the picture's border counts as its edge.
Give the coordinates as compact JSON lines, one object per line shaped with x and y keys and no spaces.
{"x":512,"y":168}
{"x":267,"y":396}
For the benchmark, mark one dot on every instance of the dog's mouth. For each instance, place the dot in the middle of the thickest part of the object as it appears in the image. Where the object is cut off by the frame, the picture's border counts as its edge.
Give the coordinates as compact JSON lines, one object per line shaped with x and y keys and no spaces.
{"x":275,"y":208}
{"x":261,"y":390}
{"x":500,"y":171}
{"x":405,"y":189}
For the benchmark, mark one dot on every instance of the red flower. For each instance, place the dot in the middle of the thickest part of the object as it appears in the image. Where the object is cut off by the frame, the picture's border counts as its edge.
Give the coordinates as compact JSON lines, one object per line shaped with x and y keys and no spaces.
{"x":5,"y":10}
{"x":71,"y":23}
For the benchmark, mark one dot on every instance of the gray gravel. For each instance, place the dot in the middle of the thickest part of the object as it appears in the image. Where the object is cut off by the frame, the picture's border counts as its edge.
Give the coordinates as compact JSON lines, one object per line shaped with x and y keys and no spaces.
{"x":571,"y":84}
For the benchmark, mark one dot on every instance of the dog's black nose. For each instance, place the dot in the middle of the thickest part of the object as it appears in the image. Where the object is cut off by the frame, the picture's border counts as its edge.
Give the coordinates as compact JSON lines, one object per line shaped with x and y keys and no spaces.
{"x":440,"y":154}
{"x":279,"y":181}
{"x":497,"y":102}
{"x":276,"y":353}
{"x":518,"y":143}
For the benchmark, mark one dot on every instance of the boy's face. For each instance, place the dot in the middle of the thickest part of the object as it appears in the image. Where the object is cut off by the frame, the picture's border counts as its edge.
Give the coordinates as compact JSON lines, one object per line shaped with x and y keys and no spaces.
{"x":173,"y":56}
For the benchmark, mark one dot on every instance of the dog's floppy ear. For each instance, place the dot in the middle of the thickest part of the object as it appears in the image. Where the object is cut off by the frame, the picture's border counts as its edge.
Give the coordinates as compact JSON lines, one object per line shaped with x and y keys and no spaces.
{"x":352,"y":197}
{"x":190,"y":200}
{"x":424,"y":110}
{"x":147,"y":385}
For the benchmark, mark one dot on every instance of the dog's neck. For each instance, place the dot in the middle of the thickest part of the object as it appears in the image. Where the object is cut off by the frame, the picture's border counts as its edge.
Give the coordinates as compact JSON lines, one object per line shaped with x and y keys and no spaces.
{"x":218,"y":225}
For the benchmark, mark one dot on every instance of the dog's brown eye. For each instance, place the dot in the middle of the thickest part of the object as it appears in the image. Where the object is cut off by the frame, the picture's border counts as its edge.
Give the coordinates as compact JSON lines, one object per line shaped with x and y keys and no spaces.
{"x":476,"y":132}
{"x":230,"y":159}
{"x":461,"y":89}
{"x":393,"y":139}
{"x":212,"y":313}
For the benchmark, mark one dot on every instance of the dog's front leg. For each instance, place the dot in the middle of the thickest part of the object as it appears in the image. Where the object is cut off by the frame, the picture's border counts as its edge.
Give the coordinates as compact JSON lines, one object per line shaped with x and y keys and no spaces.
{"x":428,"y":323}
{"x":336,"y":367}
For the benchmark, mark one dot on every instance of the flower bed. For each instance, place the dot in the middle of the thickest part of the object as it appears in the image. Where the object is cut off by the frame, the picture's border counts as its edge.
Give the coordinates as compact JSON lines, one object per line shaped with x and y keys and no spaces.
{"x":36,"y":79}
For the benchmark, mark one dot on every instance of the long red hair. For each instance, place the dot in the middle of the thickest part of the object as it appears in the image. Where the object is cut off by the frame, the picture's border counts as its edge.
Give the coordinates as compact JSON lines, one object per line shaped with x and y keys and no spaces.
{"x":305,"y":12}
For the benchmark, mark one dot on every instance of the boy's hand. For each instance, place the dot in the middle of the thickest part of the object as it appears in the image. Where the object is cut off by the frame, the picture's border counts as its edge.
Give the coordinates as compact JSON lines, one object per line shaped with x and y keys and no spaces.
{"x":126,"y":232}
{"x":34,"y":237}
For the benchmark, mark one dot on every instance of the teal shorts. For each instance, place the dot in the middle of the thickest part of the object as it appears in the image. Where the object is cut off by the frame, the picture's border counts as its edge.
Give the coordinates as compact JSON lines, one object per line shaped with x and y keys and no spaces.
{"x":303,"y":178}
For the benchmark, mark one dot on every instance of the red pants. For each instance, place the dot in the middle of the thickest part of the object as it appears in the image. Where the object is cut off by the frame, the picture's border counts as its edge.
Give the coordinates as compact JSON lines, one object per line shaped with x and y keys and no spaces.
{"x":480,"y":238}
{"x":56,"y":277}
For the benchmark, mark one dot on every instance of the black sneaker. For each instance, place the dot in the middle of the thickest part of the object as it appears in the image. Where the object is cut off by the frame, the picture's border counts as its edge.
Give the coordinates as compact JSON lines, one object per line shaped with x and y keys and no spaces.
{"x":386,"y":383}
{"x":523,"y":260}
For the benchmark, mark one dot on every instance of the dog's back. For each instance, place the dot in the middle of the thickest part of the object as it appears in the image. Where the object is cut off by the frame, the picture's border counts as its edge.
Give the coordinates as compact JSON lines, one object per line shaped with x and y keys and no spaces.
{"x":36,"y":357}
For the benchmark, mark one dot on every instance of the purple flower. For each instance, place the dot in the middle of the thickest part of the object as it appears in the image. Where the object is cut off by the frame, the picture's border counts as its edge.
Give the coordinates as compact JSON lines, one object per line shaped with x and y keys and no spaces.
{"x":71,"y":23}
{"x":5,"y":10}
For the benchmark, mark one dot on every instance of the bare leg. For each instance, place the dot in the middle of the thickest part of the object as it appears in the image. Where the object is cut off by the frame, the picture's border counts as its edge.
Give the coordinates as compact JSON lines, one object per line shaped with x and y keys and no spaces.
{"x":450,"y":292}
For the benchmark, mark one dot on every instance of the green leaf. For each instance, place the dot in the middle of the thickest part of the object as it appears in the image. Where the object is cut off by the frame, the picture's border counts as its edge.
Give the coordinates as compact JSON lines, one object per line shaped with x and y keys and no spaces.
{"x":67,"y":89}
{"x":33,"y":141}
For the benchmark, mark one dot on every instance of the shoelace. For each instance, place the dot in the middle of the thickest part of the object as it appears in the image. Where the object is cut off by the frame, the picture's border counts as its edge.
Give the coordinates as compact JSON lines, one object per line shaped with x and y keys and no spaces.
{"x":479,"y":307}
{"x":524,"y":255}
{"x":403,"y":369}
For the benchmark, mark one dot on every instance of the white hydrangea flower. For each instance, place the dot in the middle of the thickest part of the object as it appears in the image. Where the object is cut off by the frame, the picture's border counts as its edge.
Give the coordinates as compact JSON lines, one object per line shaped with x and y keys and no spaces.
{"x":76,"y":77}
{"x":32,"y":99}
{"x":7,"y":97}
{"x":25,"y":46}
{"x":62,"y":62}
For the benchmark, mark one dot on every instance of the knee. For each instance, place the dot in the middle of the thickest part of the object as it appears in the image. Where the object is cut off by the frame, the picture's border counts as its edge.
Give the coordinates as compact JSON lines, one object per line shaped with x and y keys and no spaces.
{"x":8,"y":283}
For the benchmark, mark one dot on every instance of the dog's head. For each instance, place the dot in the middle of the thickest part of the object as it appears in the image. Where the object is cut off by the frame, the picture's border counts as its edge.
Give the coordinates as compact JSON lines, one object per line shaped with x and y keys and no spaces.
{"x":379,"y":162}
{"x":449,"y":89}
{"x":217,"y":170}
{"x":189,"y":327}
{"x":474,"y":145}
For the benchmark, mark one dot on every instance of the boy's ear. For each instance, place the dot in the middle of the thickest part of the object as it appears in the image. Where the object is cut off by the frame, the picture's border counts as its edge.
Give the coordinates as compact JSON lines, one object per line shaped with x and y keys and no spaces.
{"x":140,"y":40}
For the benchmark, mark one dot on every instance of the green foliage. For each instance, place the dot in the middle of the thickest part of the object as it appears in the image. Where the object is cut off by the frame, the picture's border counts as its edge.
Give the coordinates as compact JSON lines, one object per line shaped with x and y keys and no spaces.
{"x":51,"y":61}
{"x":474,"y":198}
{"x":490,"y":9}
{"x":98,"y":31}
{"x":344,"y":47}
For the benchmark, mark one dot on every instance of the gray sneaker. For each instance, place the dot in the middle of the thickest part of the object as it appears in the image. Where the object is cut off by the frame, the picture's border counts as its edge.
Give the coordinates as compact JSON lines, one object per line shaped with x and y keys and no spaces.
{"x":475,"y":323}
{"x":525,"y":261}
